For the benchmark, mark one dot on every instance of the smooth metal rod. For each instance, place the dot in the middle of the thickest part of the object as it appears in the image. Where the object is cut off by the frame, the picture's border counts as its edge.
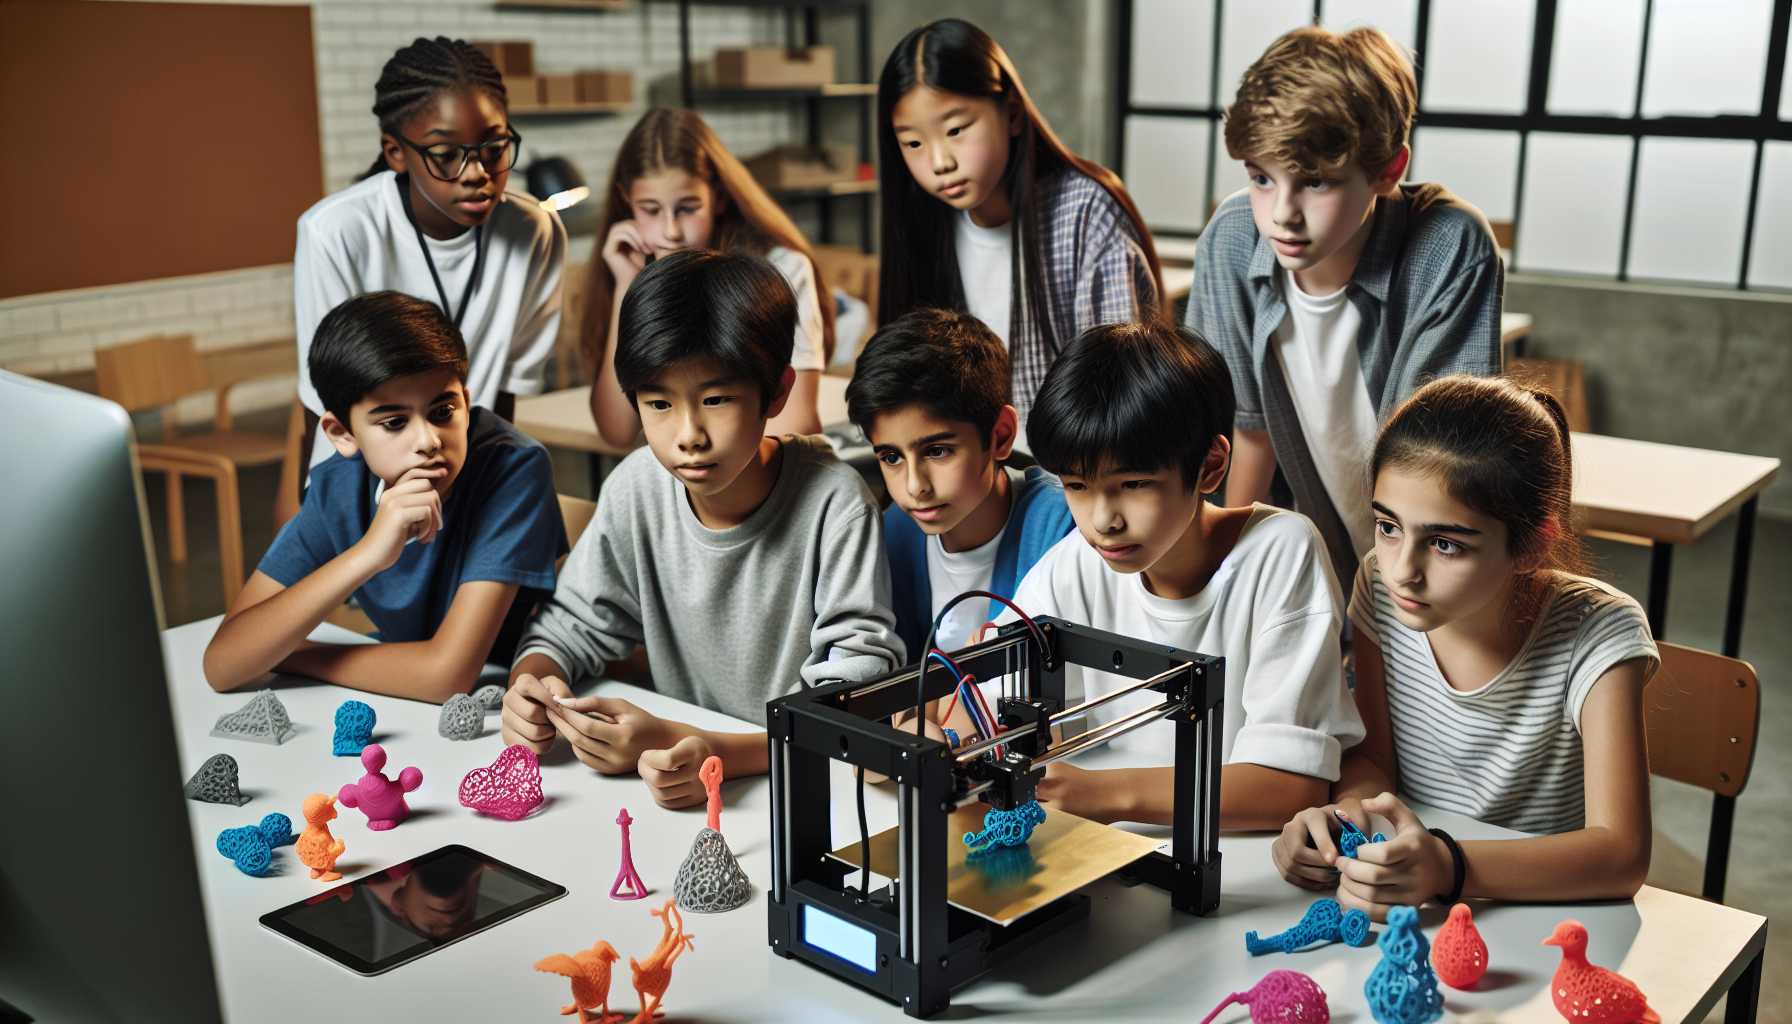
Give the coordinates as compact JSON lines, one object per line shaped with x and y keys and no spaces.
{"x":1132,"y":687}
{"x":1116,"y":728}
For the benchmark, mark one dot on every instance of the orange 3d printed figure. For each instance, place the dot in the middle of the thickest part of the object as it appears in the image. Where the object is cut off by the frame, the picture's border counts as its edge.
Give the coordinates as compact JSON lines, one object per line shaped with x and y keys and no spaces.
{"x":653,"y":976}
{"x":317,"y":848}
{"x":589,"y":970}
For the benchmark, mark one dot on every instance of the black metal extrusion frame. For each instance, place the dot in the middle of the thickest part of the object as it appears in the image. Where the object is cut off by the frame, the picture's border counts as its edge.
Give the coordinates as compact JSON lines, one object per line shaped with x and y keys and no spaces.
{"x":924,"y":947}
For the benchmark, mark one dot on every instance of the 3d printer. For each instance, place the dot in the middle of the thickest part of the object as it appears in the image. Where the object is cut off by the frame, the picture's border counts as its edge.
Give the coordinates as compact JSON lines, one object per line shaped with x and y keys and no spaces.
{"x":906,"y":941}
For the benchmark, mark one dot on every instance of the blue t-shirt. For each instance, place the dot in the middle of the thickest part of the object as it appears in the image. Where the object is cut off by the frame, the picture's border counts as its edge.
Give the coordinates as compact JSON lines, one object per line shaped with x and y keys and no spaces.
{"x":500,"y":522}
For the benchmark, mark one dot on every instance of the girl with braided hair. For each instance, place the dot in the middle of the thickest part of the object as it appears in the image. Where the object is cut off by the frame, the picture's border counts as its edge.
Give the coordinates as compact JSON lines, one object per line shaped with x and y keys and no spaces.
{"x":432,"y":218}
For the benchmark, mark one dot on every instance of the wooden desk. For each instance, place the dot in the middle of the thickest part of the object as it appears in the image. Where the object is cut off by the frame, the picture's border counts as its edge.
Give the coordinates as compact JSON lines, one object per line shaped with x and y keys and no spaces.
{"x":1130,"y":961}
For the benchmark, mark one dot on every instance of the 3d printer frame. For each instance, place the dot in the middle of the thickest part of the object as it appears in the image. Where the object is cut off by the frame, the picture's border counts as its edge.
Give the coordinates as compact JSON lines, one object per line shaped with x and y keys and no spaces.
{"x":905,"y":942}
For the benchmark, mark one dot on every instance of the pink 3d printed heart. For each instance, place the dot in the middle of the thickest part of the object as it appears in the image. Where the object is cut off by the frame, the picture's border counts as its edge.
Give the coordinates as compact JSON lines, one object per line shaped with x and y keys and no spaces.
{"x":378,"y":797}
{"x":510,"y":788}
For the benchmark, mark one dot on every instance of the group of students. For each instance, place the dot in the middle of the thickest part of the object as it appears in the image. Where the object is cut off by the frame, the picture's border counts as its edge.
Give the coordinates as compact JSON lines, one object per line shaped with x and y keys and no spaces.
{"x":1341,"y":337}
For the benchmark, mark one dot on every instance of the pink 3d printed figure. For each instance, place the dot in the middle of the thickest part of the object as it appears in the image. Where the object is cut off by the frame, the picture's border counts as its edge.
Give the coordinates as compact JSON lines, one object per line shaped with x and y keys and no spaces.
{"x":509,"y":788}
{"x":628,"y":884}
{"x":711,"y":776}
{"x":378,"y":797}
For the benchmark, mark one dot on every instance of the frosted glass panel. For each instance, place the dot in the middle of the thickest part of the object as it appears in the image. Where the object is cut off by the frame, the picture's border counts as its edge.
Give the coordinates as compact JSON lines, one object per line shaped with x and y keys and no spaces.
{"x":1166,"y":170}
{"x":1691,"y":208}
{"x":1398,"y":18}
{"x":1172,"y":52}
{"x":1573,"y":214}
{"x":1247,"y":29}
{"x":1481,"y":167}
{"x":1706,"y":57}
{"x":1770,"y":265}
{"x":1592,"y":69}
{"x":1479,"y":56}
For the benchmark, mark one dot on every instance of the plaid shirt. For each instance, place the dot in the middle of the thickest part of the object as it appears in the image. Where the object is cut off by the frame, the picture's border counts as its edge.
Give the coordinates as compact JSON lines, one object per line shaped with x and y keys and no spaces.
{"x":1428,"y":289}
{"x":1095,"y":272}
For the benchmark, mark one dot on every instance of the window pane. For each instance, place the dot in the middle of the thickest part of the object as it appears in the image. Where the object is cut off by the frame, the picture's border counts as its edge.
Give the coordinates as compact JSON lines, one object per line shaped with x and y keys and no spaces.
{"x":1479,"y":56}
{"x":1246,"y":31}
{"x":1172,"y":52}
{"x":1592,"y":69}
{"x":1481,"y":167}
{"x":1166,"y":170}
{"x":1770,"y":264}
{"x":1706,"y":57}
{"x":1573,"y":214}
{"x":1786,"y":82}
{"x":1398,"y":18}
{"x":1691,"y":208}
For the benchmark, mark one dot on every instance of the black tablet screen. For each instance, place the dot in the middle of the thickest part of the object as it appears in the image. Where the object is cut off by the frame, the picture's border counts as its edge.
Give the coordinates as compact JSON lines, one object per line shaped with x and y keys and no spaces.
{"x":384,"y":919}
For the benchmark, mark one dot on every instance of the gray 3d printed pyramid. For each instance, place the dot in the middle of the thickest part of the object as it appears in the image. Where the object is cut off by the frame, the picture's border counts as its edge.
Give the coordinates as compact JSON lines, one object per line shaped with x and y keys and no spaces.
{"x":710,"y":880}
{"x":262,"y":720}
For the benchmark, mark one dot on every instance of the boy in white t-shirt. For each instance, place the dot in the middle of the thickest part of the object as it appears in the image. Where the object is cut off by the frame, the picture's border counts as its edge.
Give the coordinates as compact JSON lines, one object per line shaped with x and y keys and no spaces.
{"x":1133,"y":418}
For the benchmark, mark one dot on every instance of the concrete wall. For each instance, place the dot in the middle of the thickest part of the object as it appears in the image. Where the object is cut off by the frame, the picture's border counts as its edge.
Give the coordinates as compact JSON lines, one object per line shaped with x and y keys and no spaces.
{"x":1698,"y":367}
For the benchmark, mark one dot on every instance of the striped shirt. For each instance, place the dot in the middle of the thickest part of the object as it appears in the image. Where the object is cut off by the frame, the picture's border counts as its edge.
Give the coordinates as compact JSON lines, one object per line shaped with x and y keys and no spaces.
{"x":1509,"y":751}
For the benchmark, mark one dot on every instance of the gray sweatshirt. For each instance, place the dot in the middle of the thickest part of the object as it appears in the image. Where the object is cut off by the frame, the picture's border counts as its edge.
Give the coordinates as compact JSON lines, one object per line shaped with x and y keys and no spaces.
{"x":799,"y":593}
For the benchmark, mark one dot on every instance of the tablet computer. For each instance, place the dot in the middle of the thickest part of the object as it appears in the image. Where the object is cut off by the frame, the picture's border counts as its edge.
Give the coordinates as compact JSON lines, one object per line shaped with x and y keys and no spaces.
{"x":391,"y":917}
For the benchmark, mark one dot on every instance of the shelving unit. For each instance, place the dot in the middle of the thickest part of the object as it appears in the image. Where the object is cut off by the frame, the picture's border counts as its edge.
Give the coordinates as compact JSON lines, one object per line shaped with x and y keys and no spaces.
{"x":562,"y":5}
{"x":570,"y":110}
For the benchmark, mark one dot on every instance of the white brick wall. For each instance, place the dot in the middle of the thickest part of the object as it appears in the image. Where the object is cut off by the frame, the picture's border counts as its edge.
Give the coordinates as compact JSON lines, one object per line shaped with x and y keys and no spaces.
{"x":57,"y":332}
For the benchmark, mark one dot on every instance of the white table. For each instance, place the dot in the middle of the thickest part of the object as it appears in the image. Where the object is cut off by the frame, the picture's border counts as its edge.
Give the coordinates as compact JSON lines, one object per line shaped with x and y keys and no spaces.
{"x":1134,"y":959}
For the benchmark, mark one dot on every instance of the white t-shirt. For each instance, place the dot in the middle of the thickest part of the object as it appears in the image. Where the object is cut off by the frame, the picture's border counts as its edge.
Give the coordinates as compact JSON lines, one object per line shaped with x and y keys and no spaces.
{"x":359,"y":240}
{"x":1272,"y":610}
{"x":951,"y":573}
{"x":806,"y":353}
{"x":986,"y":269}
{"x":1316,"y":347}
{"x":1509,"y":751}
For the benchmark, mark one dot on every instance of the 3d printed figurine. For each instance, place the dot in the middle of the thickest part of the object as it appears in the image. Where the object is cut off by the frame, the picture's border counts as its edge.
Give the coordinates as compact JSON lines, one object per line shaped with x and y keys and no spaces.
{"x":1352,"y":839}
{"x":354,"y":728}
{"x":1402,"y":989}
{"x":1007,"y":828}
{"x":589,"y":970}
{"x":215,"y":782}
{"x":263,"y":720}
{"x":463,"y":718}
{"x":510,"y":788}
{"x":1590,"y":994}
{"x":251,"y":847}
{"x":490,"y":697}
{"x":653,"y":977}
{"x":710,"y":880}
{"x":376,"y":796}
{"x":628,"y":884}
{"x":1459,"y":954}
{"x":1324,"y":922}
{"x":317,"y":848}
{"x":1282,"y":997}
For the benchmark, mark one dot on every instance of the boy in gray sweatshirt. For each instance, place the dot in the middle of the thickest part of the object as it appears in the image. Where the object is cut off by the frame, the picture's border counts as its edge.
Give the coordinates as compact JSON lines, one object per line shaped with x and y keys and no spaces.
{"x":748,"y":565}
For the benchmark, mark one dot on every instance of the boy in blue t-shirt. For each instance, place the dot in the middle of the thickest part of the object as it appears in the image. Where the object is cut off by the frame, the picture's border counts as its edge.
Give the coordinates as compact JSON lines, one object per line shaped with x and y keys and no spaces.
{"x":439,"y":518}
{"x":930,"y":392}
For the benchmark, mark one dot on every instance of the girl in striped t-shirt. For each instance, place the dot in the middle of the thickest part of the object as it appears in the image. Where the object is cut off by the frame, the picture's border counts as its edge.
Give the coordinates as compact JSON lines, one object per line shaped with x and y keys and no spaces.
{"x":1492,"y":679}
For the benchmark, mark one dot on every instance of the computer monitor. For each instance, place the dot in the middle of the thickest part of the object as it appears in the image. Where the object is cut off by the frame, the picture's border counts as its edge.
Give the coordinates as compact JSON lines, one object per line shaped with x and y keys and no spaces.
{"x":100,"y":910}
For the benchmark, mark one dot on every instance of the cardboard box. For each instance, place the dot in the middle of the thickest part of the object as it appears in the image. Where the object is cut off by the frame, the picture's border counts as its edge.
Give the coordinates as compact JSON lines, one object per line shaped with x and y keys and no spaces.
{"x":773,"y":67}
{"x":559,"y":90}
{"x":606,"y":86}
{"x":512,"y":56}
{"x":524,"y":91}
{"x":804,"y":166}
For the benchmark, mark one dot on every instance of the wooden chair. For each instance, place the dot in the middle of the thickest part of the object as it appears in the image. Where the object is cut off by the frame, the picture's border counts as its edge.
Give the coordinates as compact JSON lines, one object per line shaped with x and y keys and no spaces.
{"x":155,"y":373}
{"x":576,"y":513}
{"x":1702,"y":712}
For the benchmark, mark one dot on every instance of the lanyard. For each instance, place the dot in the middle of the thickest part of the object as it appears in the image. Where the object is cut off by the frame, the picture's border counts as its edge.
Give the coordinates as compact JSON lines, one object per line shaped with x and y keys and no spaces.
{"x":466,"y":297}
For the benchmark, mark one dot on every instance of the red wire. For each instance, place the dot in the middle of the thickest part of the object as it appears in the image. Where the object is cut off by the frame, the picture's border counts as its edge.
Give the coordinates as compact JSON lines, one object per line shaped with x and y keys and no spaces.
{"x":953,"y":703}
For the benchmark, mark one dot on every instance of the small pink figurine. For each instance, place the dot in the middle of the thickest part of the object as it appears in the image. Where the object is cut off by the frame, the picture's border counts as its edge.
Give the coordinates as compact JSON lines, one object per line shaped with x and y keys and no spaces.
{"x":711,"y":775}
{"x":628,"y":885}
{"x":378,"y":797}
{"x":1281,"y":997}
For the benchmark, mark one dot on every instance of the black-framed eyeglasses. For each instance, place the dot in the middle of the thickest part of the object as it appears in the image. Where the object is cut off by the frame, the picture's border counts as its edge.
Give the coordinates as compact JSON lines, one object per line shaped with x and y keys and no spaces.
{"x":446,"y":160}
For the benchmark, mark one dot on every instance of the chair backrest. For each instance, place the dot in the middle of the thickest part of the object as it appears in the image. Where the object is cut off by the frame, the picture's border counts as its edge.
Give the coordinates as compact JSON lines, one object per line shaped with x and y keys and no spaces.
{"x":1702,"y":712}
{"x":570,"y":360}
{"x":576,"y":513}
{"x":150,"y":373}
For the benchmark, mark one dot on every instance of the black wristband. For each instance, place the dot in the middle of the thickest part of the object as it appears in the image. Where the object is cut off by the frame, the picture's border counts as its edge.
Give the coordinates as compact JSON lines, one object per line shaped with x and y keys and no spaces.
{"x":1459,"y":865}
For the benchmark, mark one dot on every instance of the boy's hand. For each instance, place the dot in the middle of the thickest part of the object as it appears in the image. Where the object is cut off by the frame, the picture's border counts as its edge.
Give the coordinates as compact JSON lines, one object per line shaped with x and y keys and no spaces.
{"x":1306,"y":853}
{"x":610,"y":735}
{"x":1407,"y":870}
{"x":524,"y":720}
{"x":410,"y":509}
{"x":671,"y":774}
{"x":1080,"y":791}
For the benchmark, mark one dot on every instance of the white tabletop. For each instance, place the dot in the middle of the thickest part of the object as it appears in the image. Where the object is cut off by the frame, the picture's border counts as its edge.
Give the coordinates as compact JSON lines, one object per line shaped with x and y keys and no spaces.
{"x":1134,"y":959}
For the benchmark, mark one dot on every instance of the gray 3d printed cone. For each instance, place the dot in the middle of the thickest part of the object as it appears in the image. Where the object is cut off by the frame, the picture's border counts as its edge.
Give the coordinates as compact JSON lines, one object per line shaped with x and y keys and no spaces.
{"x":216,"y":782}
{"x":262,"y":720}
{"x":710,"y":880}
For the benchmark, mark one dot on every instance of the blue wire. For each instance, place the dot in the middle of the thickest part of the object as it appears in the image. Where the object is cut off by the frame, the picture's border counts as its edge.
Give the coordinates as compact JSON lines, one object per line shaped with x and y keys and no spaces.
{"x":942,"y":659}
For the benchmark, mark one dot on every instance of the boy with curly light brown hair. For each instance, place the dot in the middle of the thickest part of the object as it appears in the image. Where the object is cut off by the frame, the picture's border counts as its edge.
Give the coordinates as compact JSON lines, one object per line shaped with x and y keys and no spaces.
{"x":1333,"y":288}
